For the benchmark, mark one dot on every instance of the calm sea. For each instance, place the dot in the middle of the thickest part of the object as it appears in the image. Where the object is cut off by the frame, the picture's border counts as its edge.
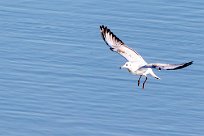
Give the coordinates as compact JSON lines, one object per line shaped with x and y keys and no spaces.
{"x":58,"y":78}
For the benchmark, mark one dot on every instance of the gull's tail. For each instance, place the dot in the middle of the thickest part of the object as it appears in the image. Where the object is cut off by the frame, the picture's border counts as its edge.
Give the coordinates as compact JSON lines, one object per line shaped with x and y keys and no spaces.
{"x":152,"y":74}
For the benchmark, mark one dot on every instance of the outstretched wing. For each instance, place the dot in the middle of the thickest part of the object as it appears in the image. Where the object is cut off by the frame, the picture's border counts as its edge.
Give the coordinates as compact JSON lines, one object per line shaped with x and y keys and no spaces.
{"x":118,"y":46}
{"x":160,"y":66}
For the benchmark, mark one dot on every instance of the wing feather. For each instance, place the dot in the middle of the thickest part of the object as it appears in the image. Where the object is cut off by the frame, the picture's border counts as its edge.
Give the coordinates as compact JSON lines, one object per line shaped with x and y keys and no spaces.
{"x":160,"y":66}
{"x":119,"y":46}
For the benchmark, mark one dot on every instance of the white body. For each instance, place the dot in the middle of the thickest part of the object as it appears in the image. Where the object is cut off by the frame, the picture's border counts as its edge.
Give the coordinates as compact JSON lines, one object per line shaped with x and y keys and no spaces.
{"x":136,"y":69}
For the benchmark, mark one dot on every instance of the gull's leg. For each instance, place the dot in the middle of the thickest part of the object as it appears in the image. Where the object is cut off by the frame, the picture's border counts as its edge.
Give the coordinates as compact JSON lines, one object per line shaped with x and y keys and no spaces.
{"x":144,"y":83}
{"x":139,"y":80}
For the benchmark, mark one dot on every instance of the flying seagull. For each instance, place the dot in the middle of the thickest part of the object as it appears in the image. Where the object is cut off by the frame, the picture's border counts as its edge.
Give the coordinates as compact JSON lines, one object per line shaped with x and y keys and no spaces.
{"x":135,"y":63}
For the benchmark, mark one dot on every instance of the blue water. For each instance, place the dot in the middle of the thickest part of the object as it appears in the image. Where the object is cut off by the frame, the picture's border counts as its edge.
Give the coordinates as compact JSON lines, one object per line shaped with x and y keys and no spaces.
{"x":58,"y":78}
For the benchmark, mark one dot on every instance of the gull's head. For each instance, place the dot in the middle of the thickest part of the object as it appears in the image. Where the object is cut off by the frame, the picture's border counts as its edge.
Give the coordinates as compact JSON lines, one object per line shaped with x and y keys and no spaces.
{"x":126,"y":65}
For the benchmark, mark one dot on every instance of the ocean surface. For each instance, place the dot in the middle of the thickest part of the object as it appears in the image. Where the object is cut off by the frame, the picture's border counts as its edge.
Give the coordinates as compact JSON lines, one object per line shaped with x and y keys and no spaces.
{"x":58,"y":77}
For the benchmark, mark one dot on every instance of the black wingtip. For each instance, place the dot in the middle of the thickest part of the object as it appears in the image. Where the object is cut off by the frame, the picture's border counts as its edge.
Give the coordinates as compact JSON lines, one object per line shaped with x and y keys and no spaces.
{"x":101,"y":26}
{"x":184,"y":65}
{"x":188,"y":63}
{"x":105,"y":29}
{"x":191,"y":62}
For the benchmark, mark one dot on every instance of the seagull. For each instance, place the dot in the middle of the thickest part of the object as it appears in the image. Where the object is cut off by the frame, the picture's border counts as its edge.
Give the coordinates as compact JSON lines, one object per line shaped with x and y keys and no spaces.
{"x":135,"y":64}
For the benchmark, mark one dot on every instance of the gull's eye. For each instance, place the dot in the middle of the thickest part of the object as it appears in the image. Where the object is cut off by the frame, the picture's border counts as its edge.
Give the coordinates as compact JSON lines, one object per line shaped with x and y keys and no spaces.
{"x":126,"y":65}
